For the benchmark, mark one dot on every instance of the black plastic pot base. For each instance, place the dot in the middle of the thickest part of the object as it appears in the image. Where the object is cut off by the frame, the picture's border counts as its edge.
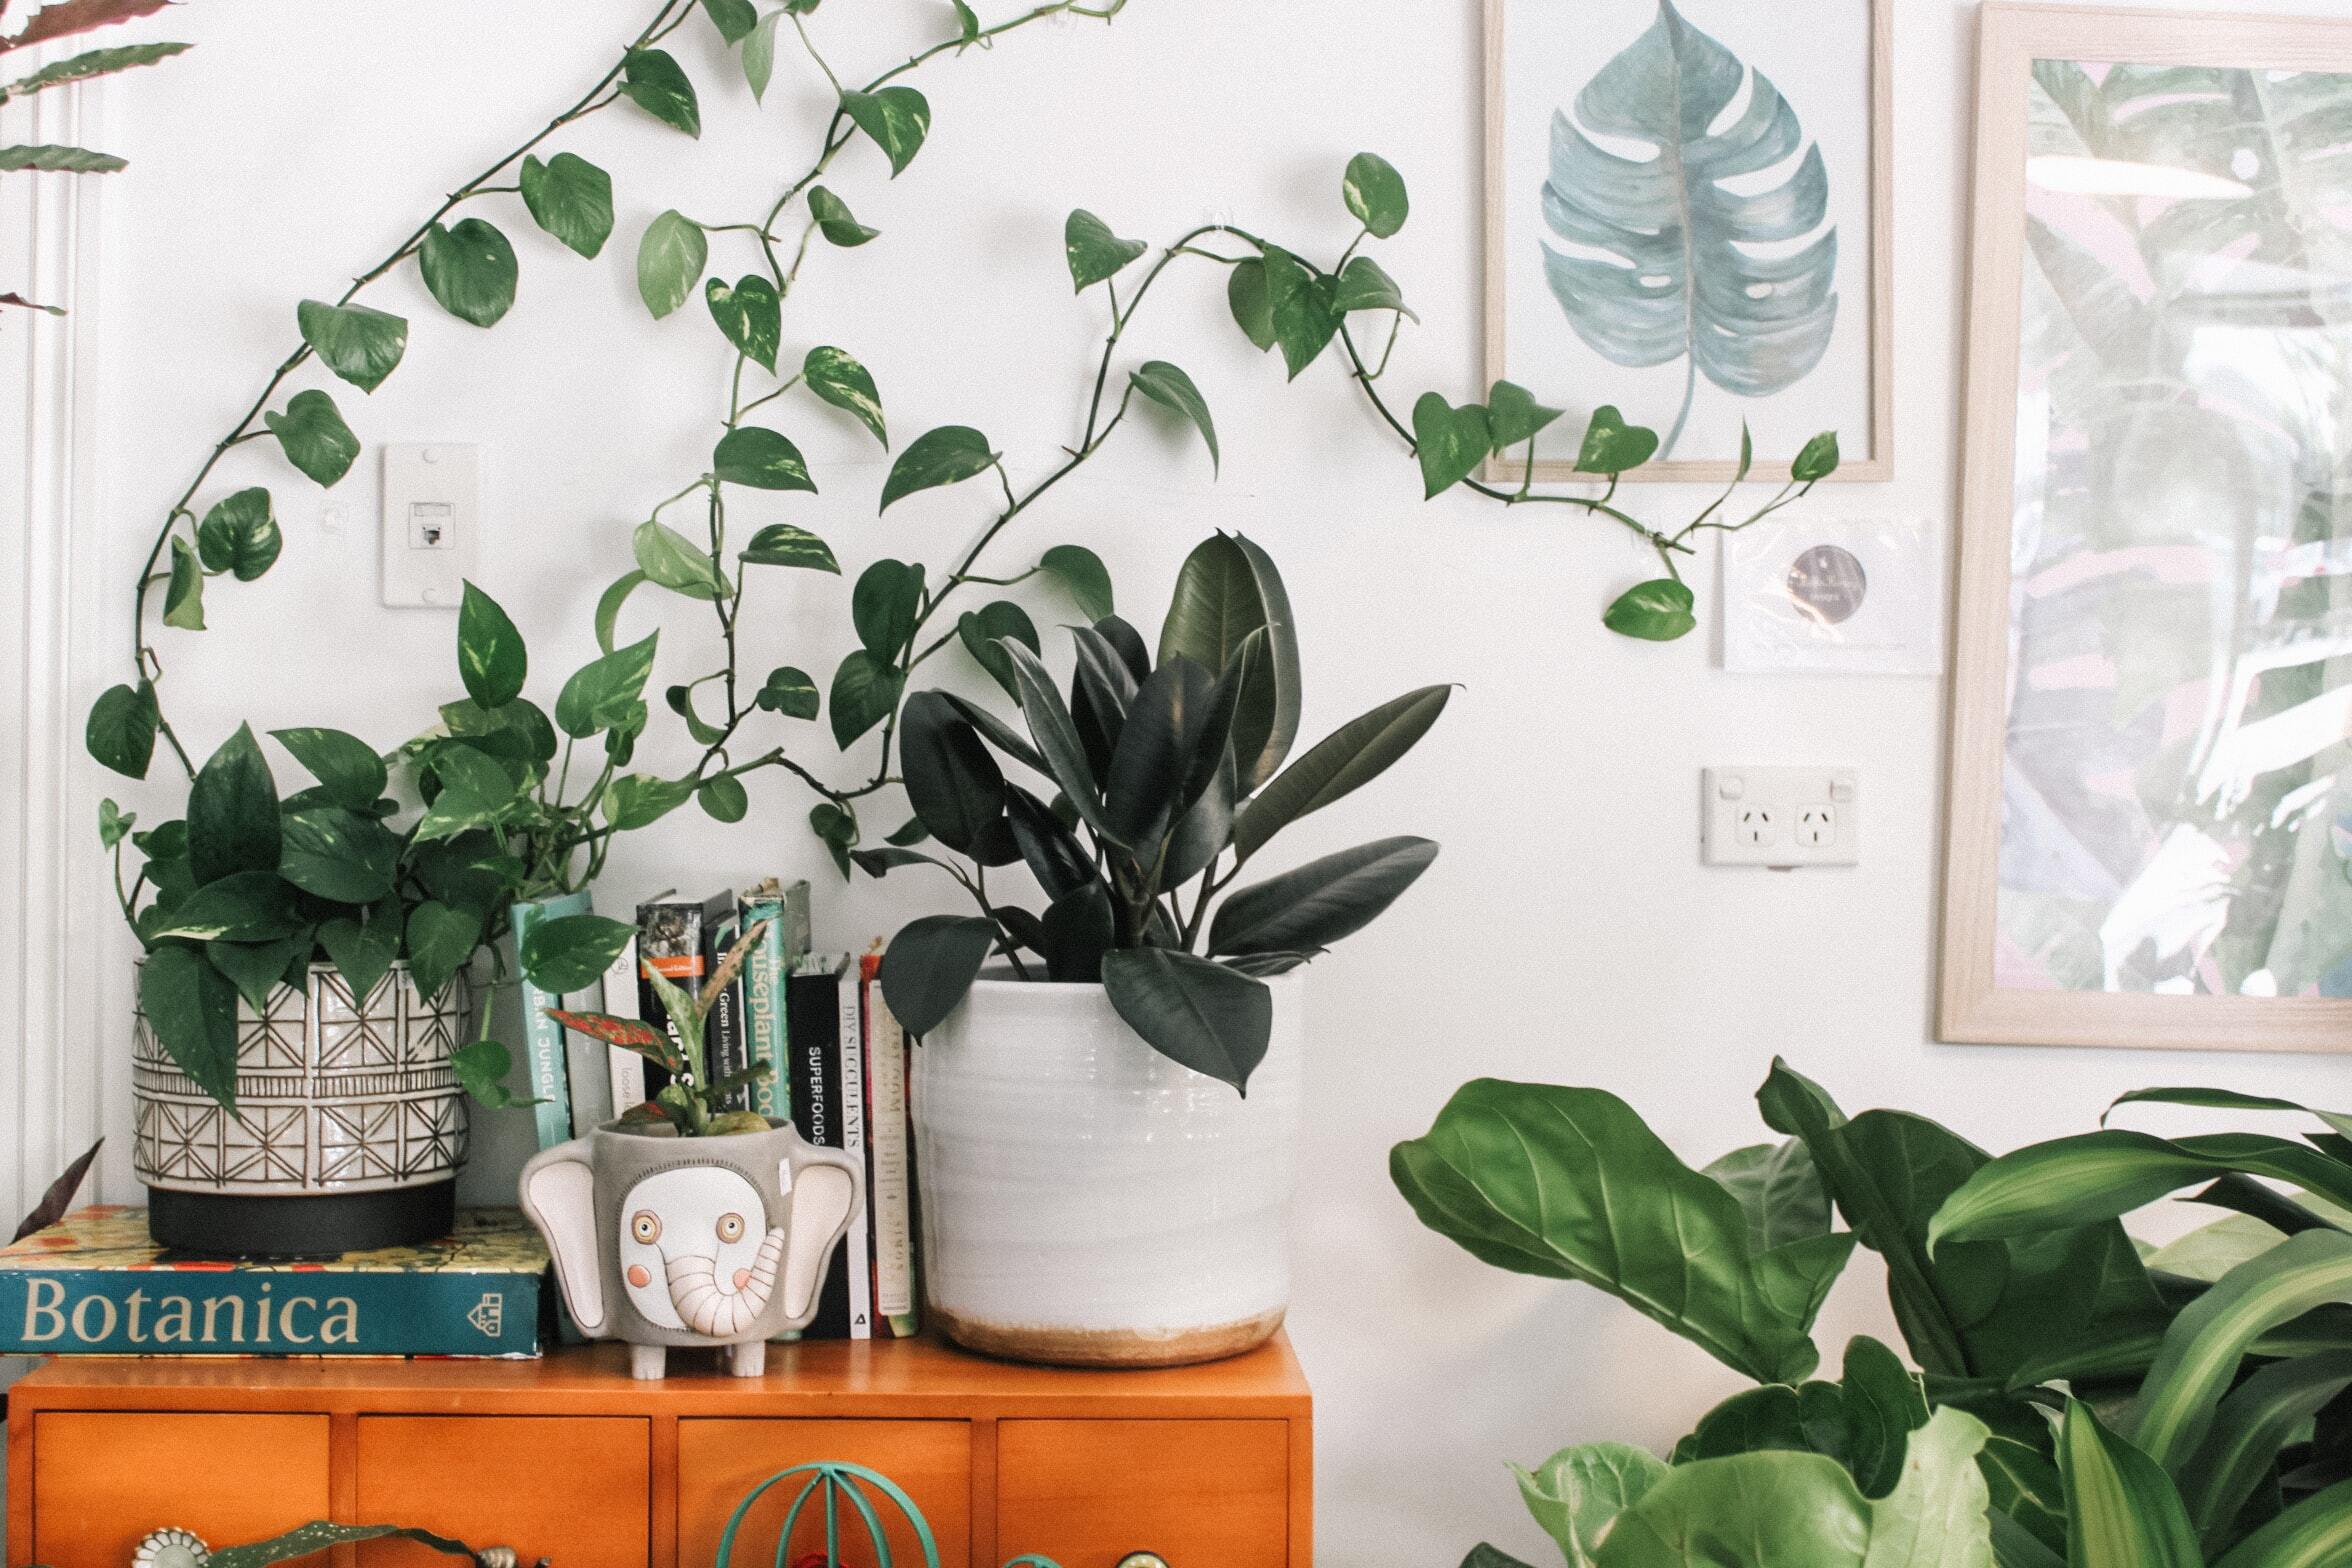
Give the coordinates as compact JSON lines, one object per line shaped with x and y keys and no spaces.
{"x":316,"y":1225}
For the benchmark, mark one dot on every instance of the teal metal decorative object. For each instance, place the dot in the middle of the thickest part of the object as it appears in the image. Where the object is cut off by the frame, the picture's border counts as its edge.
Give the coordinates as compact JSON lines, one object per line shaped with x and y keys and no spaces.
{"x":827,"y":1483}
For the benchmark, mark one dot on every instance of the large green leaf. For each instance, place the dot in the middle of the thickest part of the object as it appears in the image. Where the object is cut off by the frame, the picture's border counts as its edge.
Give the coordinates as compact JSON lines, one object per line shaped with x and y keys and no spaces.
{"x":670,"y":259}
{"x":120,"y":732}
{"x":2102,"y":1175}
{"x":1966,"y":1310}
{"x":749,"y":314}
{"x":865,"y":691}
{"x":897,"y":118}
{"x":1342,"y":762}
{"x":569,"y":952}
{"x":50,"y":159}
{"x":762,"y":459}
{"x":1170,"y":387}
{"x":2121,"y":1509}
{"x":471,"y":270}
{"x":2315,"y":1533}
{"x":605,"y":692}
{"x":339,"y":855}
{"x":833,"y":375}
{"x":244,"y":906}
{"x":1321,"y":903}
{"x":676,"y":562}
{"x":1082,"y":576}
{"x":2209,"y":1340}
{"x":1301,"y":310}
{"x":1168,"y":742}
{"x":571,"y":199}
{"x":1673,"y":253}
{"x":1227,"y":590}
{"x":240,"y":535}
{"x":1790,"y":1510}
{"x":233,"y":811}
{"x":953,"y":784}
{"x":192,"y":1007}
{"x":1093,"y":251}
{"x":981,"y":630}
{"x":491,"y":658}
{"x":1579,"y":1492}
{"x":440,"y":940}
{"x":929,"y":966}
{"x":1197,"y":1014}
{"x":2229,"y":1100}
{"x":653,"y":81}
{"x":883,"y":607}
{"x":1778,"y":1189}
{"x":938,"y":457}
{"x":312,"y":434}
{"x":1375,"y":193}
{"x":1571,"y":1184}
{"x":1450,"y":442}
{"x":2250,"y":1426}
{"x":347,"y":767}
{"x":1058,"y":745}
{"x":361,"y":345}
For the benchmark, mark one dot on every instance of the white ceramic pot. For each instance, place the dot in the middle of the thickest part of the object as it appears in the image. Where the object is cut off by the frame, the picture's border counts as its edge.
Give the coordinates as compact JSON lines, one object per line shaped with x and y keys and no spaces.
{"x":1086,"y":1201}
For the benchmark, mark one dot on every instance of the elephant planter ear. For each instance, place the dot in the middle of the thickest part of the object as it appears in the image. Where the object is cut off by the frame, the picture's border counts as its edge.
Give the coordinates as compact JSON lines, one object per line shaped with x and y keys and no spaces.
{"x":824,"y":1194}
{"x":559,"y":1194}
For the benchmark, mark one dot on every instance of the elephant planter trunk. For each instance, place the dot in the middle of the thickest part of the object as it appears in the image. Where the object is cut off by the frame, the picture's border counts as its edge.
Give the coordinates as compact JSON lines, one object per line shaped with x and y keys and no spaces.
{"x":664,"y":1241}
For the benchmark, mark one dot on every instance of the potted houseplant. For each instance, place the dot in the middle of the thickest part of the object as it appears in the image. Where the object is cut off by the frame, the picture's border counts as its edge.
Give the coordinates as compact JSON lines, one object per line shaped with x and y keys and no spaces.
{"x":306,"y":1042}
{"x":683,"y":1224}
{"x":1105,"y":1124}
{"x":2080,"y":1398}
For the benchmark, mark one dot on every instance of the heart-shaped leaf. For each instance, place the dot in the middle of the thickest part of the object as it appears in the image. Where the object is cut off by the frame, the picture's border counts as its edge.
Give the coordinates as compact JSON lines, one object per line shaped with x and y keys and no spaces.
{"x":362,"y":346}
{"x":1246,"y":297}
{"x":1170,"y":387}
{"x":1299,"y":309}
{"x":750,"y":314}
{"x":1818,"y":460}
{"x":1611,"y":446}
{"x":1450,"y":442}
{"x":1375,"y":193}
{"x":981,"y":630}
{"x":1093,"y":251}
{"x":1513,"y":415}
{"x":470,"y":269}
{"x":365,"y":946}
{"x":440,"y":941}
{"x":938,"y":457}
{"x":491,"y":658}
{"x":669,"y":558}
{"x":781,"y":544}
{"x":898,"y":118}
{"x":1365,"y":285}
{"x":761,"y":459}
{"x":724,"y":799}
{"x":670,"y":260}
{"x":789,"y":692}
{"x":883,"y":607}
{"x":313,"y":436}
{"x":120,"y":732}
{"x":192,"y":1007}
{"x":605,"y":692}
{"x":572,"y":952}
{"x":865,"y":690}
{"x":834,"y":219}
{"x":339,"y":855}
{"x":240,"y":535}
{"x":233,"y":811}
{"x":638,"y":800}
{"x":1082,"y":576}
{"x":841,"y":381}
{"x":655,"y":82}
{"x":571,"y":199}
{"x":1655,"y":611}
{"x":347,"y":767}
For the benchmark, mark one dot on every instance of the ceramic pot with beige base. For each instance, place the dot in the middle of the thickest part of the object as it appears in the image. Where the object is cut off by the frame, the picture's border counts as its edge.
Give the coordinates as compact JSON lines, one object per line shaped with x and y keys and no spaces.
{"x":1086,"y":1201}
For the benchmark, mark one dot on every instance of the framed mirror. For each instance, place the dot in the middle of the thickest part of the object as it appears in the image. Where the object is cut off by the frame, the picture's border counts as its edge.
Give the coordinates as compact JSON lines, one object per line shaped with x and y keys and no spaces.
{"x":2150,"y":827}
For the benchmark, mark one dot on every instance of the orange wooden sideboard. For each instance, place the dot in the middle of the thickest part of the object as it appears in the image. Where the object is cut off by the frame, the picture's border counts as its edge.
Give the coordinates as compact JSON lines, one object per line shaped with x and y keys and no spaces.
{"x":568,"y":1459}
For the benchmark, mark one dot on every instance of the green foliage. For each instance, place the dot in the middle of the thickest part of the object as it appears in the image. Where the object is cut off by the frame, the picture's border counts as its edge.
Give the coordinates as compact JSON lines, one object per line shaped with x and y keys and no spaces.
{"x":2196,"y":1421}
{"x":692,"y":1101}
{"x":1152,"y":762}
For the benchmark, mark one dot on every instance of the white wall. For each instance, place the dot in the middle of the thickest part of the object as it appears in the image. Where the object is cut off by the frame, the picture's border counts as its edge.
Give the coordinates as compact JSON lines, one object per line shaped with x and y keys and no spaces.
{"x":1568,"y":933}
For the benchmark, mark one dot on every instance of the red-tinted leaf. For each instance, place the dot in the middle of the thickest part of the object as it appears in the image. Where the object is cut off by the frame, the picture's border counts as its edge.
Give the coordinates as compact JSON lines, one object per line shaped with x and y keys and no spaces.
{"x":630,"y":1034}
{"x":64,"y":18}
{"x":59,"y":1197}
{"x":639,"y":1115}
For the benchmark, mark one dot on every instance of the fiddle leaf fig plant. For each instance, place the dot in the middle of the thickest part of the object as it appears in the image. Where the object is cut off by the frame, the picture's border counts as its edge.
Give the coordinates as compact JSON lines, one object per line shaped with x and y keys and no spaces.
{"x":2152,"y":1407}
{"x":1136,"y":798}
{"x":691,"y":1103}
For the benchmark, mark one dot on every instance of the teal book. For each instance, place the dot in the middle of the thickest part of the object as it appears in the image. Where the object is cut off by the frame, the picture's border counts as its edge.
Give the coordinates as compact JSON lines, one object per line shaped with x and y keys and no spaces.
{"x":544,"y":1050}
{"x":96,"y":1284}
{"x":784,"y":944}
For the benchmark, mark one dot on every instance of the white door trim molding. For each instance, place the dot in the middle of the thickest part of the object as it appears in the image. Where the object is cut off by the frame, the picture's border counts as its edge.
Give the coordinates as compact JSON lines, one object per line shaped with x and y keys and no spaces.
{"x":59,"y":957}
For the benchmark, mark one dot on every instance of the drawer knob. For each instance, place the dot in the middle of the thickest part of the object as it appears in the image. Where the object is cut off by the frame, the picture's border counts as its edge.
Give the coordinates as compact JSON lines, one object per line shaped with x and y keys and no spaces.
{"x":1142,"y":1560}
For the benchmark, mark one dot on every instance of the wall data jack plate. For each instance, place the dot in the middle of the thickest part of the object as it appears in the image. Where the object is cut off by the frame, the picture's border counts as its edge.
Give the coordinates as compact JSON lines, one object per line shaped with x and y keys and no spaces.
{"x":432,"y":523}
{"x":1781,"y":817}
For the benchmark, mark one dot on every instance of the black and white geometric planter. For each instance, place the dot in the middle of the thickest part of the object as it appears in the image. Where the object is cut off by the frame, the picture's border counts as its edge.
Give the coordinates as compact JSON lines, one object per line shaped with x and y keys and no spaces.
{"x":349,"y":1131}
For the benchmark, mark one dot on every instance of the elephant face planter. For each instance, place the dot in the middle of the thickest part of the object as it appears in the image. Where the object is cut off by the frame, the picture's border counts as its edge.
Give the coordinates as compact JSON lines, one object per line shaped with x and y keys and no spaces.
{"x":717,"y":1241}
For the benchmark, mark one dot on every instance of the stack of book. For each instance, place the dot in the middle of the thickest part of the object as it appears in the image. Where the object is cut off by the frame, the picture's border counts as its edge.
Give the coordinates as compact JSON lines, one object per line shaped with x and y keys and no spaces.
{"x":838,"y":1060}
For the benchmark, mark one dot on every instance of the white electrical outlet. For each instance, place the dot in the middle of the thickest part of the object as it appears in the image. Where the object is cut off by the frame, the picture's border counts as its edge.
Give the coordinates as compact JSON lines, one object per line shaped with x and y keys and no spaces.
{"x":432,"y":523}
{"x":1781,"y":817}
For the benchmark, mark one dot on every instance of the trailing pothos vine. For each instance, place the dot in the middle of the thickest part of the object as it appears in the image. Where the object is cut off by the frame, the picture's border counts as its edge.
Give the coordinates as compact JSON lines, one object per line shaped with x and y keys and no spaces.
{"x":419,"y":854}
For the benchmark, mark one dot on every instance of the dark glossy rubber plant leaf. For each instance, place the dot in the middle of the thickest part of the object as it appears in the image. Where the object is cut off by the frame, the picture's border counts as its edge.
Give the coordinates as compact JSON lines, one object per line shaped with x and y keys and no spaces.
{"x":1228,"y":590}
{"x":931,"y":964}
{"x":1197,"y":1014}
{"x":1322,"y":902}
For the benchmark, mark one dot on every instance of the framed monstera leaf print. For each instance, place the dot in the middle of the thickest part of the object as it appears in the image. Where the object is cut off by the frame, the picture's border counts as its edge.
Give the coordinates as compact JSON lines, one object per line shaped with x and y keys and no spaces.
{"x":2150,"y":829}
{"x":1687,"y":214}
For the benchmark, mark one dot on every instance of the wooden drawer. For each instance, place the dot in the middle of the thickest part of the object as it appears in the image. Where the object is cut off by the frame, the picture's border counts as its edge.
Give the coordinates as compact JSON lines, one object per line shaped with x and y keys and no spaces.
{"x":573,"y":1489}
{"x":103,"y":1479}
{"x":1202,"y":1494}
{"x":719,"y":1461}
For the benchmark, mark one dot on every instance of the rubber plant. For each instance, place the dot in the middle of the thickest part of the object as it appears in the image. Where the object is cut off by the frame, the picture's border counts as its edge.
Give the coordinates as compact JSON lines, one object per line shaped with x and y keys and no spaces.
{"x":68,"y":19}
{"x":1148,"y":790}
{"x":2185,"y":1408}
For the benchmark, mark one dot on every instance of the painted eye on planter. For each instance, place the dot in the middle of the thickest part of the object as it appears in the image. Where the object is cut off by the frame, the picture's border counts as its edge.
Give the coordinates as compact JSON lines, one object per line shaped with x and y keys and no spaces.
{"x":730,"y":1227}
{"x":645,"y":1225}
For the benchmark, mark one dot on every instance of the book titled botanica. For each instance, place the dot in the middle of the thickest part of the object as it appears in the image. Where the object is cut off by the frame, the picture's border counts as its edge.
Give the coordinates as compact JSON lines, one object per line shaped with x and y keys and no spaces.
{"x":94,"y":1283}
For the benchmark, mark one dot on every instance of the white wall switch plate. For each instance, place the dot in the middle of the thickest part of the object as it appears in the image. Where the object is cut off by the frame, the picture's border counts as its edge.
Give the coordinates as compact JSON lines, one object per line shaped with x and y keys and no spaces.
{"x":1781,"y":817}
{"x":432,"y":523}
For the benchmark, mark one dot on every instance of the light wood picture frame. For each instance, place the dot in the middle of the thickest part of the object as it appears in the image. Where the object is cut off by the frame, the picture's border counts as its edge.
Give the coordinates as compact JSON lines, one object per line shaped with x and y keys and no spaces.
{"x":2152,"y":675}
{"x":1833,"y":78}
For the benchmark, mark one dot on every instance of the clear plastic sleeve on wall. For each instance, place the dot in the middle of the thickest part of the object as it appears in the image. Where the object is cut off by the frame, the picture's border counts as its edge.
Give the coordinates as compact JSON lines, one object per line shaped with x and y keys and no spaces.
{"x":1837,"y":596}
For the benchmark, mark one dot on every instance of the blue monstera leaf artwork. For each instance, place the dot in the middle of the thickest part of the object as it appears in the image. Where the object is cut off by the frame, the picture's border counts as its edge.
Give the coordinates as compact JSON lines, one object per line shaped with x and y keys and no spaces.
{"x":1679,"y":251}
